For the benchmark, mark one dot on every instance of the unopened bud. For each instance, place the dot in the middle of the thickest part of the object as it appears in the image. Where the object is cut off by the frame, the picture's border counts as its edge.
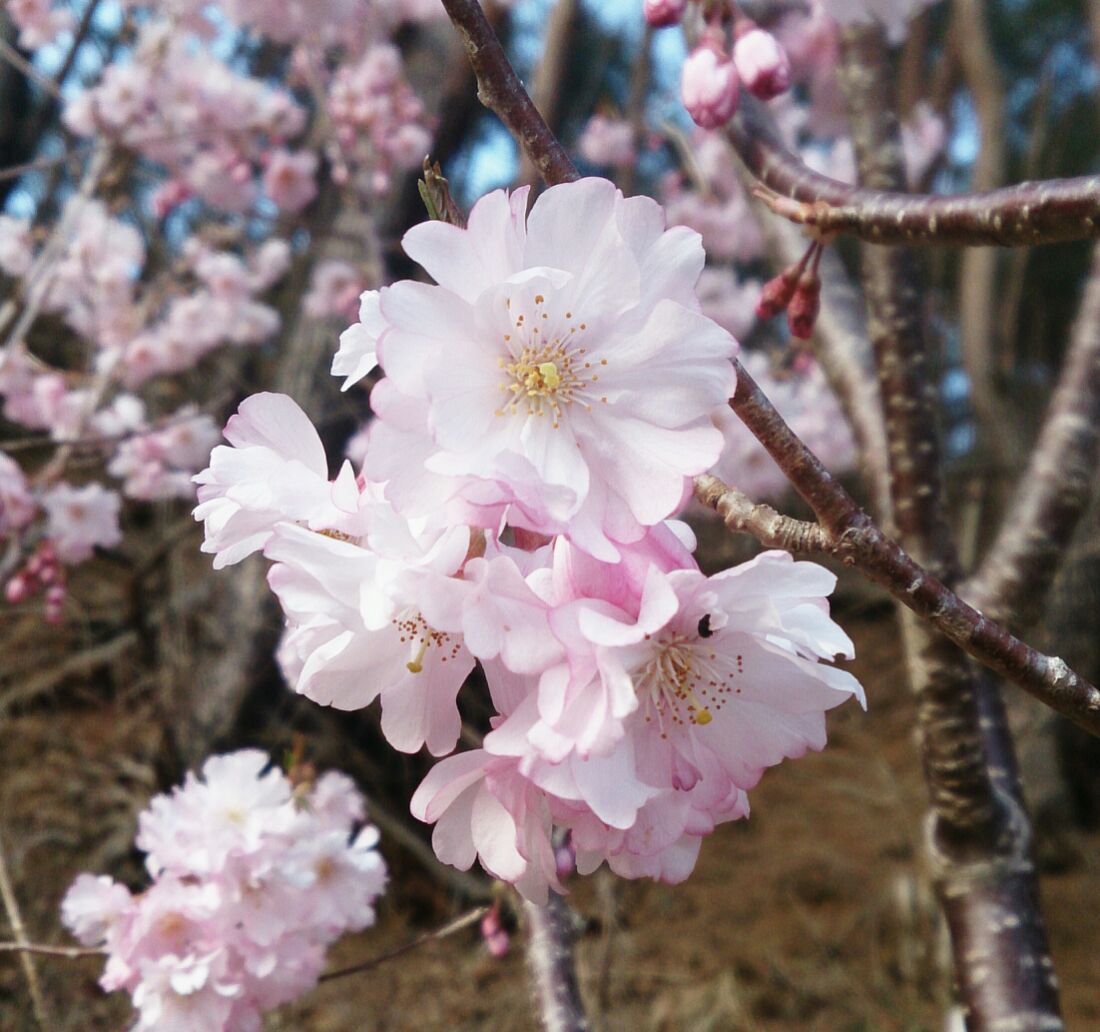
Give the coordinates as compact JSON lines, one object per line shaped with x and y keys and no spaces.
{"x":662,"y":13}
{"x":494,"y":933}
{"x":17,"y":589}
{"x":777,"y":293}
{"x":709,"y":87}
{"x":762,"y":64}
{"x":565,"y":859}
{"x":804,"y":306}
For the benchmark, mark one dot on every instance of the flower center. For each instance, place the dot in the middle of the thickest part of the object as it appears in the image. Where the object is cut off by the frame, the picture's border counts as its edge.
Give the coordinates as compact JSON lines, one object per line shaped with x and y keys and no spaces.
{"x":683,"y":684}
{"x":414,"y":631}
{"x":545,"y":369}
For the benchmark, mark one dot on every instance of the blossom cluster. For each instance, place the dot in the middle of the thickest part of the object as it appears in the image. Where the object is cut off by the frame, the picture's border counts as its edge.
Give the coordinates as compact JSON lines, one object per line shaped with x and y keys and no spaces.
{"x":544,"y":406}
{"x":253,"y":877}
{"x":132,"y":329}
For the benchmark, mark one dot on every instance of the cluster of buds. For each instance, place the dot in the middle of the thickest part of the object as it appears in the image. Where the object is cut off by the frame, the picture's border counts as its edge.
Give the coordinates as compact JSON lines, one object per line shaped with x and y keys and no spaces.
{"x":797,"y":291}
{"x":42,"y":572}
{"x":713,"y":76}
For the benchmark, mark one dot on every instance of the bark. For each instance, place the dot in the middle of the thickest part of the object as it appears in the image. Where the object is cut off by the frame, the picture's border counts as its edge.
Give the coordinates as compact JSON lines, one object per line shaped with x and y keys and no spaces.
{"x":550,"y":957}
{"x":1054,"y":490}
{"x":979,"y":838}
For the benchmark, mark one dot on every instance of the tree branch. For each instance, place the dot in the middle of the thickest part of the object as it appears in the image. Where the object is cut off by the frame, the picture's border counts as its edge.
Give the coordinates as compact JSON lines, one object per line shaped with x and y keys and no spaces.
{"x":499,"y":89}
{"x":1025,"y":214}
{"x":1055,"y":489}
{"x":550,"y":955}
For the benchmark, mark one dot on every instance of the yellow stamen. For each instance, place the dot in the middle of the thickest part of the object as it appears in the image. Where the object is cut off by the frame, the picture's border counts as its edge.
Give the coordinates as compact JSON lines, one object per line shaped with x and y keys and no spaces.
{"x":550,"y":376}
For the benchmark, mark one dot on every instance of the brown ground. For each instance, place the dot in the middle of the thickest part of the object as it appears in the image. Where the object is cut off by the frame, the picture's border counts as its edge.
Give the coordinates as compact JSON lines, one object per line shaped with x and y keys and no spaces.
{"x":812,"y":915}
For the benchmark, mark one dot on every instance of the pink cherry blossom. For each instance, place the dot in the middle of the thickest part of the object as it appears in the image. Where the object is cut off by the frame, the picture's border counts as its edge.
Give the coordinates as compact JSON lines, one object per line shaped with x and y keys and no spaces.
{"x":17,"y":505}
{"x":16,"y":246}
{"x":81,"y":519}
{"x":290,"y":179}
{"x":535,"y":355}
{"x":252,"y":879}
{"x":274,"y":470}
{"x":608,"y":142}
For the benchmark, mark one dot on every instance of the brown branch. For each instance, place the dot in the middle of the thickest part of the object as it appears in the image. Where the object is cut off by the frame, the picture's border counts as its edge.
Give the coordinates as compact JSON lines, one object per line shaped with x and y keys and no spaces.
{"x":499,"y":89}
{"x":1055,"y":489}
{"x":857,"y":542}
{"x":449,"y":929}
{"x":553,"y":970}
{"x":1025,"y":214}
{"x":979,"y":834}
{"x":741,"y":514}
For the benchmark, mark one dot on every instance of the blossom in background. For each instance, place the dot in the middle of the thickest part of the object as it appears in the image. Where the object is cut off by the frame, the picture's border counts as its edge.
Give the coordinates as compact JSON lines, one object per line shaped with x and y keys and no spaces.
{"x":252,"y":880}
{"x":290,"y":179}
{"x":80,"y":519}
{"x":17,"y":505}
{"x":608,"y":142}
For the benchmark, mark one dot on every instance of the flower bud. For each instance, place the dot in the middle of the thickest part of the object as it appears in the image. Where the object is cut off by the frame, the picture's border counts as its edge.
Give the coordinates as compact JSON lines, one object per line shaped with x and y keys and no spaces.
{"x":17,"y":589}
{"x":709,"y":87}
{"x":804,"y":306}
{"x":565,"y":860}
{"x":762,"y":64}
{"x":777,"y":293}
{"x":662,"y":13}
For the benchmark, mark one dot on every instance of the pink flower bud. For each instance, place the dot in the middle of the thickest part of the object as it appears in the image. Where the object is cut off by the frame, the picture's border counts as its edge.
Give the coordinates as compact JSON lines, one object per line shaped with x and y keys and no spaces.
{"x":662,"y":13}
{"x":777,"y":293}
{"x":498,"y":944}
{"x":565,"y":860}
{"x":804,"y":306}
{"x":709,"y":87}
{"x":762,"y":64}
{"x":494,"y":933}
{"x":17,"y":589}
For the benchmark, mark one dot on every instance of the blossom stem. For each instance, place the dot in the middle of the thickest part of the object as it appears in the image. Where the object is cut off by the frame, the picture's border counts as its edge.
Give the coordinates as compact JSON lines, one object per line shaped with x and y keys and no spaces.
{"x":1014,"y":216}
{"x":550,"y":955}
{"x":449,"y":929}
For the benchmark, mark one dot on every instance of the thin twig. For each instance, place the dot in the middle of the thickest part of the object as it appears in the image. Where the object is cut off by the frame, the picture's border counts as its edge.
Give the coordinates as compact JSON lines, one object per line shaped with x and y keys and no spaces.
{"x":26,"y":960}
{"x":41,"y":949}
{"x":472,"y":917}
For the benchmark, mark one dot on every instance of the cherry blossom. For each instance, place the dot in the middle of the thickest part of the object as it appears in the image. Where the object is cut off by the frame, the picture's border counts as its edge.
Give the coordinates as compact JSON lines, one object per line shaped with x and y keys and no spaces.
{"x":252,"y":879}
{"x":553,"y":330}
{"x":81,"y":519}
{"x":274,"y":470}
